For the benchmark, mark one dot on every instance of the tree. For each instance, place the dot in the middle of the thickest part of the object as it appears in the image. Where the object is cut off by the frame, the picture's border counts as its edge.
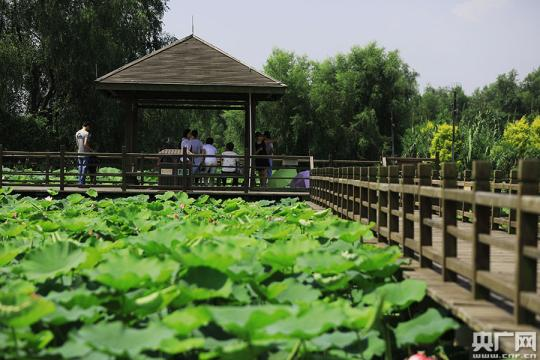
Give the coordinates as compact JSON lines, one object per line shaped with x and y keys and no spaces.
{"x":345,"y":106}
{"x":441,"y":145}
{"x":289,"y":120}
{"x":530,"y":92}
{"x":520,"y":140}
{"x":417,"y":139}
{"x":51,"y":53}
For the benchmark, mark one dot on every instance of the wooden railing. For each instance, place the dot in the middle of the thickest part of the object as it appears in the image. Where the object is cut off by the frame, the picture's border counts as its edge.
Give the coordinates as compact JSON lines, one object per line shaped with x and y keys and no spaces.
{"x":482,"y":232}
{"x":144,"y":171}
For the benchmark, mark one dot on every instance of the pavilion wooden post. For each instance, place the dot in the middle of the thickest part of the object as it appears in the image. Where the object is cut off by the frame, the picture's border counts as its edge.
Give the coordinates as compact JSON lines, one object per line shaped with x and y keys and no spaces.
{"x":252,"y":125}
{"x":247,"y":146}
{"x":130,"y":129}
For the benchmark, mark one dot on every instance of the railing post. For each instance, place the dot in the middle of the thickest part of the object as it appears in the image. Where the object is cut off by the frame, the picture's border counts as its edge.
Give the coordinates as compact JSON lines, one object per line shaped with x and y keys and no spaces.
{"x":356,"y":193}
{"x":481,"y":225}
{"x":372,"y":194}
{"x":184,"y":169}
{"x":466,"y":207}
{"x":527,"y":237}
{"x":393,"y":205}
{"x":47,"y":168}
{"x":382,"y":214}
{"x":449,"y":218}
{"x":63,"y":166}
{"x":364,"y":210}
{"x":335,"y":190}
{"x":407,"y":232}
{"x":316,"y":183}
{"x":247,"y":173}
{"x":424,"y":177}
{"x":350,"y":193}
{"x":339,"y":192}
{"x":325,"y":186}
{"x":343,"y":191}
{"x":311,"y":185}
{"x":346,"y":201}
{"x":512,"y":214}
{"x":124,"y":168}
{"x":496,"y":211}
{"x":1,"y":164}
{"x":435,"y":178}
{"x":322,"y":186}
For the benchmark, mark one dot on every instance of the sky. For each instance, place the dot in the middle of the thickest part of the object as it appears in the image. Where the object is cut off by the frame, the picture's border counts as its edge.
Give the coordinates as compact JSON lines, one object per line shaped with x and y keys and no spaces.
{"x":448,"y":42}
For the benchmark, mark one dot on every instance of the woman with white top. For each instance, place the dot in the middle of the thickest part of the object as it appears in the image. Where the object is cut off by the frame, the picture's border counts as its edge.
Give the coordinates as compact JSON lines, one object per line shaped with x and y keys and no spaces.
{"x":209,"y":152}
{"x":229,"y":164}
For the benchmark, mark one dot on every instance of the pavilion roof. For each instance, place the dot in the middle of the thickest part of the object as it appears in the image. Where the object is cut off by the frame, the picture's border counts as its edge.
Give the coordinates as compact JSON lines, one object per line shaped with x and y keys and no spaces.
{"x":189,"y":65}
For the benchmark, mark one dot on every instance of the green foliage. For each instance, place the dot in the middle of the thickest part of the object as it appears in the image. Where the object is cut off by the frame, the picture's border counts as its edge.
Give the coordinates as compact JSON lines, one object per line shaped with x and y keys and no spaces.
{"x":196,"y":278}
{"x":520,"y":140}
{"x":51,"y":260}
{"x":50,"y":54}
{"x":441,"y":144}
{"x":342,"y":106}
{"x":424,"y":329}
{"x":417,"y":140}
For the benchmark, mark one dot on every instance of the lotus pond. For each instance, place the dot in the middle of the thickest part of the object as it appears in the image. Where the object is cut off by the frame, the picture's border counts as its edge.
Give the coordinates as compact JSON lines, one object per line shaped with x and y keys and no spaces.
{"x":183,"y":278}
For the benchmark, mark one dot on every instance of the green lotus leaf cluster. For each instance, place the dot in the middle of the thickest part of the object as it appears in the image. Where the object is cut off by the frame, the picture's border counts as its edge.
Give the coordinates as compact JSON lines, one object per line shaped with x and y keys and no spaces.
{"x":180,"y":278}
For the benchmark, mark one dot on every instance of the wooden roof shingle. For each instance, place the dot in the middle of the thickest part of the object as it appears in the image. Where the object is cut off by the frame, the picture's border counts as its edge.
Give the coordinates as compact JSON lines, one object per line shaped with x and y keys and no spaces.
{"x":190,"y":64}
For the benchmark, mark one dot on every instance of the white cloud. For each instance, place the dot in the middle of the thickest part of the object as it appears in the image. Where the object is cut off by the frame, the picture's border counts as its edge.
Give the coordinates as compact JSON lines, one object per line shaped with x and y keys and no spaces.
{"x":473,"y":10}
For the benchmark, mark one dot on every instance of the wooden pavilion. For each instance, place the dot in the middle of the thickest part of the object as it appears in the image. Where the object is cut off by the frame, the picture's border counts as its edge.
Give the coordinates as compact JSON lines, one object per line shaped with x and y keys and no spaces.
{"x":189,"y":74}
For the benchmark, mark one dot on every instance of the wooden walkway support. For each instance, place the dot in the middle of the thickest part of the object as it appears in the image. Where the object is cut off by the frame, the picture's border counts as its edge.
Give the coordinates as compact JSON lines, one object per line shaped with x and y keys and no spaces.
{"x":474,"y":241}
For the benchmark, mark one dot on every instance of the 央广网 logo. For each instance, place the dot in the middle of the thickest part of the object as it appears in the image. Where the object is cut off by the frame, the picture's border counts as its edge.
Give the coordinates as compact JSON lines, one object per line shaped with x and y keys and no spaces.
{"x":485,"y":345}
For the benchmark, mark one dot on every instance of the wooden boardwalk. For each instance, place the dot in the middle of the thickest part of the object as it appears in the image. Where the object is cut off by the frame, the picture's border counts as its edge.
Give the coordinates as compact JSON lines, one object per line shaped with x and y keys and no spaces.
{"x":116,"y":190}
{"x":485,"y":274}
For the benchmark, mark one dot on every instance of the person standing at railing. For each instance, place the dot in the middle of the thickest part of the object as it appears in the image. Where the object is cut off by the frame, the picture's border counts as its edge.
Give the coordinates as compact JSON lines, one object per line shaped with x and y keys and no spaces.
{"x":82,"y":139}
{"x":269,"y":151}
{"x":186,"y":137}
{"x":229,"y":164}
{"x":196,"y":146}
{"x":261,"y":164}
{"x":209,"y":152}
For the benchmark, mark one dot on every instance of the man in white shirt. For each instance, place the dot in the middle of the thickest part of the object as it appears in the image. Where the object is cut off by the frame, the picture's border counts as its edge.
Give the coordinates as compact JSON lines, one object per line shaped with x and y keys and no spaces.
{"x":210,"y":161}
{"x":229,"y":165}
{"x":82,"y":138}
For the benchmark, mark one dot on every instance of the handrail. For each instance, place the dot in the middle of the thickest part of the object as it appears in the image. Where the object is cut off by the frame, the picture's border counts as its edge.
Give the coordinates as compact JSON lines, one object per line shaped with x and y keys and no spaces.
{"x":505,"y":218}
{"x":156,"y":171}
